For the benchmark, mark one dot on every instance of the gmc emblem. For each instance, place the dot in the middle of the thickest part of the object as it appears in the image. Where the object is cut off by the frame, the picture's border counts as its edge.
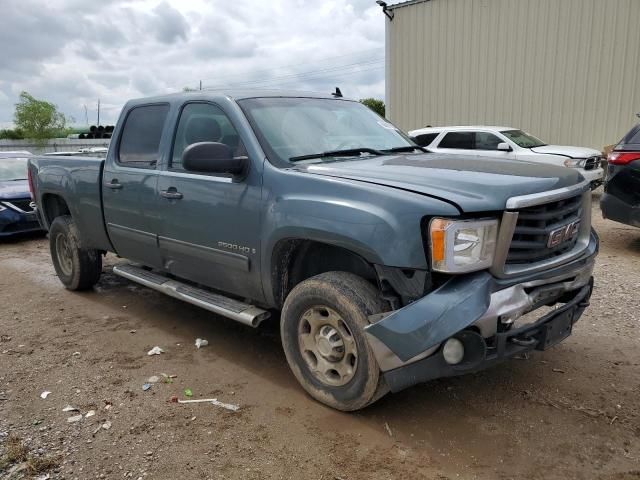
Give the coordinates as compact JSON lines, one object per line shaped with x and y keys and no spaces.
{"x":563,"y":234}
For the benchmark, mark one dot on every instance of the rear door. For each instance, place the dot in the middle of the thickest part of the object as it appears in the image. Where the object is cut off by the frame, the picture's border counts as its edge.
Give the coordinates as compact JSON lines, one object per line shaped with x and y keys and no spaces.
{"x":131,"y":206}
{"x":211,"y":223}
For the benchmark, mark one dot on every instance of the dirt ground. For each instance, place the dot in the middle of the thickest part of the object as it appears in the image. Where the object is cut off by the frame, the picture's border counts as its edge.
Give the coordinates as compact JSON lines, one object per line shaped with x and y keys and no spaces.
{"x":570,"y":412}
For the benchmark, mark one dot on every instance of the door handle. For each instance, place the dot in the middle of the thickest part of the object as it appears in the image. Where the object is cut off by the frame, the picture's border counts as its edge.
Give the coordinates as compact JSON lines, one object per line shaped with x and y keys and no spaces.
{"x":114,"y":184}
{"x":171,"y":194}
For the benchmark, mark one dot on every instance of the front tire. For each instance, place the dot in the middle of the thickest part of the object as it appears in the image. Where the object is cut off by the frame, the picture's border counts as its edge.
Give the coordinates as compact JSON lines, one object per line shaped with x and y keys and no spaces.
{"x":77,"y":268}
{"x":323,"y":337}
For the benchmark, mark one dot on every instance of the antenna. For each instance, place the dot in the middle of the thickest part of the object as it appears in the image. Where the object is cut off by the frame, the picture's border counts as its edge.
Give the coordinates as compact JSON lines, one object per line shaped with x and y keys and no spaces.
{"x":337,"y":93}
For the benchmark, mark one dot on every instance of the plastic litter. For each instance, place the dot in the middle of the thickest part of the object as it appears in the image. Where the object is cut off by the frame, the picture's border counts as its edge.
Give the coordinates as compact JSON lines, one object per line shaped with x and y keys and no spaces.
{"x":90,"y":413}
{"x":155,"y":351}
{"x":106,"y":425}
{"x":74,"y":419}
{"x":213,"y":401}
{"x":188,"y":392}
{"x":154,"y":379}
{"x":76,"y":354}
{"x":69,"y":408}
{"x":146,"y":386}
{"x":44,"y":394}
{"x":201,"y":342}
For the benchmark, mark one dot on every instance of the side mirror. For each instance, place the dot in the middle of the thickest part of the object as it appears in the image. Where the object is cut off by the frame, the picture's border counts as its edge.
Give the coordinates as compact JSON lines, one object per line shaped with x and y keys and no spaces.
{"x":211,"y":157}
{"x":503,"y":147}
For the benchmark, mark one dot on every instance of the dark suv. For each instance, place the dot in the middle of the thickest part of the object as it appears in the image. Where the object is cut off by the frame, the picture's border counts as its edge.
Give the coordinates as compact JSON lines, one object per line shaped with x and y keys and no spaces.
{"x":621,"y":199}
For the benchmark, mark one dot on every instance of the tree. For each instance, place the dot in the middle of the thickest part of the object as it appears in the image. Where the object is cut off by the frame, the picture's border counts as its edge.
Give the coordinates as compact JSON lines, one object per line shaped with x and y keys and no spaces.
{"x":38,"y":119}
{"x":8,"y":134}
{"x":375,"y":105}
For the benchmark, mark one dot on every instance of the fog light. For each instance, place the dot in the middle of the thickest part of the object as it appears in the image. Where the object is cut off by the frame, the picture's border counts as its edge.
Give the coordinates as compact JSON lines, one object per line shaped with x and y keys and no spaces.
{"x":453,"y":351}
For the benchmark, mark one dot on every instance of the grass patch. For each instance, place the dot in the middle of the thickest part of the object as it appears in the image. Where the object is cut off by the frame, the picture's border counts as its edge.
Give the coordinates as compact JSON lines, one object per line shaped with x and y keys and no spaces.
{"x":37,"y":465}
{"x":17,"y":452}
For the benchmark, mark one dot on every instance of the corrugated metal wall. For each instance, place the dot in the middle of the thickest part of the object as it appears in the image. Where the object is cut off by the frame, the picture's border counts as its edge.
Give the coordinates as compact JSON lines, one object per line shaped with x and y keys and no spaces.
{"x":564,"y":70}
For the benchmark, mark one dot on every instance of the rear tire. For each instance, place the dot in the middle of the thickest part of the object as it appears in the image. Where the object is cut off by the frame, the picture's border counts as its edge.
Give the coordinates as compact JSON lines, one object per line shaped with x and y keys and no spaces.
{"x":77,"y":268}
{"x":322,"y":329}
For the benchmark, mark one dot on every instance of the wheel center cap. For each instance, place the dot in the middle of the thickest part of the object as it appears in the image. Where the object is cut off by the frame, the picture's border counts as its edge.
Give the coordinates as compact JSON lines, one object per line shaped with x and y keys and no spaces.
{"x":324,"y":347}
{"x":329,"y":343}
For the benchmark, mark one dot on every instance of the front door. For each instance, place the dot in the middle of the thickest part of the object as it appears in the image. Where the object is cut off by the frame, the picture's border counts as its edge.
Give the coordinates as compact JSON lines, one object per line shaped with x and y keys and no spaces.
{"x":211,"y":223}
{"x":130,"y":186}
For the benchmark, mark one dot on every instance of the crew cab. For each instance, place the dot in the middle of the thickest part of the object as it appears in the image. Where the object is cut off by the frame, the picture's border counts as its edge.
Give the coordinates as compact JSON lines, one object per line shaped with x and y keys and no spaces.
{"x":390,"y":266}
{"x":513,"y":144}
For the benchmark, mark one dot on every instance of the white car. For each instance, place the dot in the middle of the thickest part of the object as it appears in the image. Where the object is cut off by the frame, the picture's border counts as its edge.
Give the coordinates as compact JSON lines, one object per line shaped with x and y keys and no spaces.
{"x":511,"y":143}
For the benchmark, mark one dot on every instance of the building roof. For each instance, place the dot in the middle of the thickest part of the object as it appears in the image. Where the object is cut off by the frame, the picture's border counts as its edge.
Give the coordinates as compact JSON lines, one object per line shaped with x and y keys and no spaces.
{"x":406,"y":3}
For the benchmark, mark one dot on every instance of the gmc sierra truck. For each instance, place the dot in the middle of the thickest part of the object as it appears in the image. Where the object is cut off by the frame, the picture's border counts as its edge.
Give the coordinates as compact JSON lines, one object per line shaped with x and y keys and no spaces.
{"x":390,"y":266}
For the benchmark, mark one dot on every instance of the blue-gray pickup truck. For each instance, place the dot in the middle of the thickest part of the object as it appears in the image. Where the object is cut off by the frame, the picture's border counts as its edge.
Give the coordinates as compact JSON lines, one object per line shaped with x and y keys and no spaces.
{"x":388,"y":265}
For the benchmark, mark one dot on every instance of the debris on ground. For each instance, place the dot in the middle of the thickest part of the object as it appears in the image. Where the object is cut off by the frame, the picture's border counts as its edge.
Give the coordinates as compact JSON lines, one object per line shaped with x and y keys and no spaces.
{"x":146,"y":386}
{"x":213,"y":401}
{"x":44,"y":394}
{"x":75,"y":354}
{"x":201,"y":342}
{"x":155,"y":351}
{"x":106,"y":425}
{"x":90,"y":413}
{"x":5,"y":338}
{"x":188,"y":392}
{"x":74,"y":419}
{"x":69,"y":408}
{"x":388,"y":429}
{"x":173,"y":399}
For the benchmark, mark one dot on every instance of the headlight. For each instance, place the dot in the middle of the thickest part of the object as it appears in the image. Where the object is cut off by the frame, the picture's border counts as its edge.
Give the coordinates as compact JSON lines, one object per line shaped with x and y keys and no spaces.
{"x":462,"y":245}
{"x":574,"y":162}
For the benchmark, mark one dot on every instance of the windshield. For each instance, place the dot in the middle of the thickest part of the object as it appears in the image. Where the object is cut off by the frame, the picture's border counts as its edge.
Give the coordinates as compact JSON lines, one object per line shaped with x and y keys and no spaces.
{"x":13,"y":169}
{"x":295,"y":127}
{"x":523,"y":139}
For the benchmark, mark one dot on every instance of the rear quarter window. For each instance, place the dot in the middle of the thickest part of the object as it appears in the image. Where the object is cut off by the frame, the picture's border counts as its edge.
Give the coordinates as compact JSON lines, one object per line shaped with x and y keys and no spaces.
{"x":141,"y":135}
{"x":425,"y":139}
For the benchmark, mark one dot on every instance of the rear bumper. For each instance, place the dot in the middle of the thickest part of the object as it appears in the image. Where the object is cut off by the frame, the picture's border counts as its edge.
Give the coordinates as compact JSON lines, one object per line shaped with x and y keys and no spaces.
{"x":546,"y":332}
{"x":479,"y":303}
{"x":616,"y":209}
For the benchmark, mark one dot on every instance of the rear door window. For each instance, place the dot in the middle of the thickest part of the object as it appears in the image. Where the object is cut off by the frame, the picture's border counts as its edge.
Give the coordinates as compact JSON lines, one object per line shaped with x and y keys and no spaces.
{"x":141,"y":135}
{"x":458,"y":140}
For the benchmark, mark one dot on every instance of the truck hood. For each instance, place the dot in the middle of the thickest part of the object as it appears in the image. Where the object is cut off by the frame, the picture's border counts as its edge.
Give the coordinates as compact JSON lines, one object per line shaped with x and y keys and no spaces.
{"x":13,"y":190}
{"x":566,"y":151}
{"x":473,"y":184}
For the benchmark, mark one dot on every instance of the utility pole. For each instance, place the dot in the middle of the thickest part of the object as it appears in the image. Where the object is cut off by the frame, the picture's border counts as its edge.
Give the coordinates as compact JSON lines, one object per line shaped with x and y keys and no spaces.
{"x":98,"y":112}
{"x":86,"y":115}
{"x":200,"y":84}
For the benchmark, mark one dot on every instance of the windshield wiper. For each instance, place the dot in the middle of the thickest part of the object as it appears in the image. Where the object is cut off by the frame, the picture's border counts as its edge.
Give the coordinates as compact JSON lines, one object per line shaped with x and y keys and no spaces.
{"x":408,"y":148}
{"x":15,"y":179}
{"x":337,"y":153}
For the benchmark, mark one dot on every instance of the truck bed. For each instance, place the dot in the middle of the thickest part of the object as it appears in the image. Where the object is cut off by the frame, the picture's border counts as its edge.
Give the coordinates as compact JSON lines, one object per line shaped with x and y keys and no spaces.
{"x":76,"y":182}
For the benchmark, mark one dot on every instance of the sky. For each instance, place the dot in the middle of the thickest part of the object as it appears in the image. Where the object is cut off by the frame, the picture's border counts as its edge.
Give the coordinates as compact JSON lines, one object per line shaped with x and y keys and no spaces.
{"x":74,"y":52}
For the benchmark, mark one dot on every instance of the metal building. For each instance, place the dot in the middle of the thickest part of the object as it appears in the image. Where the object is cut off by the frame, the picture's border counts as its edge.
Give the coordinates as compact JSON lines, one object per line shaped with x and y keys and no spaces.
{"x":566,"y":71}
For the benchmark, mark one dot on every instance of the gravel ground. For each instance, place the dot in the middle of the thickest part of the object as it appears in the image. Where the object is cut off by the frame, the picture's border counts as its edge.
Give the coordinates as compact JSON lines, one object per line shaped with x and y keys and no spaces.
{"x":570,"y":412}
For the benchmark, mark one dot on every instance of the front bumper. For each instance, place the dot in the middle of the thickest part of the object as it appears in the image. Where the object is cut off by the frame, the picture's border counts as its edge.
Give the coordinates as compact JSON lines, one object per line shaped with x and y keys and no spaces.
{"x":13,"y":223}
{"x":411,"y":338}
{"x":546,"y":332}
{"x":595,"y":175}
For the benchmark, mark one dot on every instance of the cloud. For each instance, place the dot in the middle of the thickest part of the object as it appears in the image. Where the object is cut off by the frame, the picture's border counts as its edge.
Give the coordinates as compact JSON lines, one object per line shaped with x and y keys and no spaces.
{"x":71,"y":53}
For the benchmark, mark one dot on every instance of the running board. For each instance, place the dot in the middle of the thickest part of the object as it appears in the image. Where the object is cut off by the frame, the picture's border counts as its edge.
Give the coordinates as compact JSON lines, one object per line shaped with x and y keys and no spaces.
{"x":227,"y":307}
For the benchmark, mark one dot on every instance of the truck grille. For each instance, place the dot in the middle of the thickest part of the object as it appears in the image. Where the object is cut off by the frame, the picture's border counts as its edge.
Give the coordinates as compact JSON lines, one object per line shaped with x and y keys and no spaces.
{"x":592,"y":163}
{"x":534,"y":226}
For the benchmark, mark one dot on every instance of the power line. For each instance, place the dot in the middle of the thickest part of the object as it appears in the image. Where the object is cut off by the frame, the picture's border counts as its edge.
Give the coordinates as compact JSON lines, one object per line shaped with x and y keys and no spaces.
{"x":303,"y":75}
{"x":315,"y":62}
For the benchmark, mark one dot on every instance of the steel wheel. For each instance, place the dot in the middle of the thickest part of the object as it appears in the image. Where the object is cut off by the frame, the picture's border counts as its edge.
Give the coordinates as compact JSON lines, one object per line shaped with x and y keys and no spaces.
{"x":63,"y":252}
{"x":327,"y":346}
